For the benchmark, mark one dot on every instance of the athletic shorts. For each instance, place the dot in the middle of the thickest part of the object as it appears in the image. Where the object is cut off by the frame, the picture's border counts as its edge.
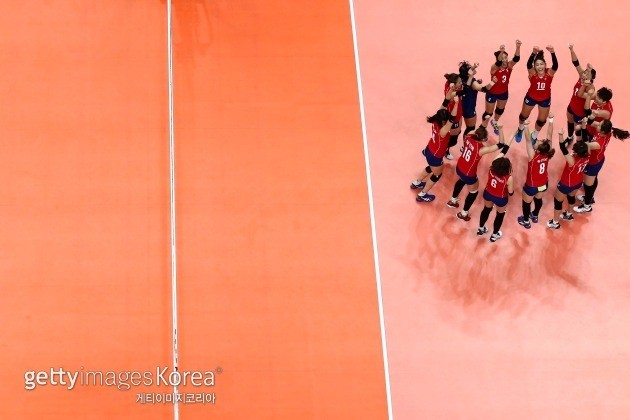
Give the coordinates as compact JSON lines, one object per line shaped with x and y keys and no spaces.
{"x":492,"y":98}
{"x":499,"y":201}
{"x":532,"y":191}
{"x":546,"y":103}
{"x":468,"y":180}
{"x":576,"y":118}
{"x":469,"y":103}
{"x":593,"y":170}
{"x":566,"y":189}
{"x":431,"y":159}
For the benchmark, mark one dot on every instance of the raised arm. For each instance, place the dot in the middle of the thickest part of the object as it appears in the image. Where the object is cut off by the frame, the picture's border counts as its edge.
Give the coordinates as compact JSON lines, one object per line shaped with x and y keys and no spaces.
{"x":528,"y":142}
{"x":575,"y":61}
{"x":586,"y":89}
{"x":530,"y":62}
{"x":492,"y":148}
{"x":554,"y":60}
{"x":479,"y":87}
{"x":448,"y":97}
{"x":550,"y":127}
{"x":517,"y":54}
{"x":447,"y":127}
{"x":503,"y":146}
{"x":564,"y":148}
{"x":498,"y":61}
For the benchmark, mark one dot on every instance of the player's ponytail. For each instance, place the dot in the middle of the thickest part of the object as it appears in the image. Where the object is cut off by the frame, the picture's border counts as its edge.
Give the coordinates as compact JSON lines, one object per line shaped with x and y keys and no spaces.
{"x":620,"y":134}
{"x":606,"y":127}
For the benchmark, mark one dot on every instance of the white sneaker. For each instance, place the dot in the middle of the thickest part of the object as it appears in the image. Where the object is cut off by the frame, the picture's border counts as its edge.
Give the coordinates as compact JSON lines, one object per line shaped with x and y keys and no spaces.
{"x":584,"y":208}
{"x":496,"y":236}
{"x":553,"y":225}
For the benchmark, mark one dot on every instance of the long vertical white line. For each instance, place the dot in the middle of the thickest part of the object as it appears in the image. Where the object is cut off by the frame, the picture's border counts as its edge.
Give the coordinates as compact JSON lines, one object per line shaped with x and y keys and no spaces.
{"x":171,"y":143}
{"x":372,"y":222}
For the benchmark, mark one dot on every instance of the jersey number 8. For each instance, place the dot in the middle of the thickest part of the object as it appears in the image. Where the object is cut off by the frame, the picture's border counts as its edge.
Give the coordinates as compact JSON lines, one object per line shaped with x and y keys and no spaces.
{"x":541,"y":169}
{"x":493,"y":183}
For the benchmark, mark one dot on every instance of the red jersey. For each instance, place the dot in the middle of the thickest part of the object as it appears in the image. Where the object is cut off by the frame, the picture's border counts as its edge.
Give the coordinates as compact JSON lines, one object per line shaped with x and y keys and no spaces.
{"x":537,"y":175}
{"x":469,"y":160}
{"x":451,"y":104}
{"x":438,"y":145}
{"x":577,"y":104}
{"x":497,"y":185}
{"x":573,"y":175}
{"x":503,"y":80}
{"x":606,"y":107}
{"x":540,"y":87}
{"x":597,"y":156}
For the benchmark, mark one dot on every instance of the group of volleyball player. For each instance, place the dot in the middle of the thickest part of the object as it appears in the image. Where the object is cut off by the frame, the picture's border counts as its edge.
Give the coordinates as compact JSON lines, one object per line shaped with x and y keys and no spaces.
{"x":589,"y":132}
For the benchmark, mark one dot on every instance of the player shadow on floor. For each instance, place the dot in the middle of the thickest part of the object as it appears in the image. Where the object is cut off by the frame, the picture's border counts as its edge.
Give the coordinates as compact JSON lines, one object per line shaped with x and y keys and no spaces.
{"x":513,"y":275}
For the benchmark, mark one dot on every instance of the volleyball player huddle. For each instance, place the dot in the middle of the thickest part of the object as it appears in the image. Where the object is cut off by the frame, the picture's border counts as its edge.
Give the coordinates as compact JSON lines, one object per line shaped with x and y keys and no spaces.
{"x":589,"y":132}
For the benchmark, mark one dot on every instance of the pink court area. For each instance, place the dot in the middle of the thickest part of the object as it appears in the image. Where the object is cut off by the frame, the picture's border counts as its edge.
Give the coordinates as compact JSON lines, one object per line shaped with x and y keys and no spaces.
{"x":534,"y":326}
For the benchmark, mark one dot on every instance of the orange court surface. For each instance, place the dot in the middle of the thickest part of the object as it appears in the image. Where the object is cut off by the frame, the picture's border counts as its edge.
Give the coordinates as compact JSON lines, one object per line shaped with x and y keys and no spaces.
{"x":309,"y":283}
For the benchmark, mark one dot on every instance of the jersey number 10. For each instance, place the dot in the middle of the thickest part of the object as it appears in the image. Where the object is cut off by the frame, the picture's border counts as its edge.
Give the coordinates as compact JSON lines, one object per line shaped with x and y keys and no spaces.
{"x":541,"y":86}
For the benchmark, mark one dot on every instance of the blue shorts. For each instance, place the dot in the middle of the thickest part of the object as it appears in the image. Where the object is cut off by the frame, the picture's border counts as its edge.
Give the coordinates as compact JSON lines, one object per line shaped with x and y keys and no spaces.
{"x":532,"y":191}
{"x":567,"y":190}
{"x":492,"y":98}
{"x":593,"y":170}
{"x":530,"y":102}
{"x":431,"y":159}
{"x":576,"y":118}
{"x":469,"y":103}
{"x":468,"y":180}
{"x":500,"y":202}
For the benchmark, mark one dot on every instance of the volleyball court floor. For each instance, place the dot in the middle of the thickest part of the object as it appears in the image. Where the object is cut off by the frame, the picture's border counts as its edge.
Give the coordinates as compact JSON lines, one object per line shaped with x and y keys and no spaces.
{"x":534,"y":325}
{"x":277,"y":284}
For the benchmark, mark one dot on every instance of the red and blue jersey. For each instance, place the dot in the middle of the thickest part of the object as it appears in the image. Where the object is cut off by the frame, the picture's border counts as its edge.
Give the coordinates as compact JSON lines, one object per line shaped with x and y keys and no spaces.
{"x":469,"y":160}
{"x":597,"y":156}
{"x":438,"y":144}
{"x":577,"y":104}
{"x":452,"y":105}
{"x":540,"y":87}
{"x":604,"y":107}
{"x":497,"y":185}
{"x":503,"y":80}
{"x":537,"y":171}
{"x":574,"y":175}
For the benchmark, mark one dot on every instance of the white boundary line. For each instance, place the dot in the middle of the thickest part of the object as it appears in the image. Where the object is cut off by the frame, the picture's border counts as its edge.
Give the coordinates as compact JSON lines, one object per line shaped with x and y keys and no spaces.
{"x":372,"y":221}
{"x":171,"y":143}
